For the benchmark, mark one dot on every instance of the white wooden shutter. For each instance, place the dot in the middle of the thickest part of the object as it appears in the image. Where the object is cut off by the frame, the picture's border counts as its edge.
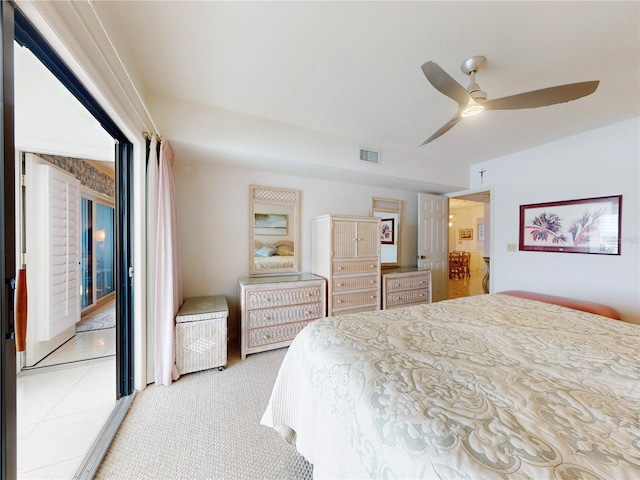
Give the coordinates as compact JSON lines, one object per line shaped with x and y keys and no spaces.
{"x":59,"y":218}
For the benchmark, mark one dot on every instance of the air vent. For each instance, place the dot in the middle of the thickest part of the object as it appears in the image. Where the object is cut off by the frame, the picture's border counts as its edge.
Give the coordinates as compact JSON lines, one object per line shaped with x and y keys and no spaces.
{"x":370,"y":156}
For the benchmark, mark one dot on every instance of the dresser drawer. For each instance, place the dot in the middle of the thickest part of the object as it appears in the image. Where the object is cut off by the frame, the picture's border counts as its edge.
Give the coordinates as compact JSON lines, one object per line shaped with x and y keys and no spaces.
{"x":275,"y":334}
{"x":284,"y":296}
{"x":341,"y":267}
{"x":354,"y":299}
{"x":277,"y":315}
{"x":406,"y":282}
{"x":408,"y":297}
{"x":342,"y":284}
{"x":358,"y":309}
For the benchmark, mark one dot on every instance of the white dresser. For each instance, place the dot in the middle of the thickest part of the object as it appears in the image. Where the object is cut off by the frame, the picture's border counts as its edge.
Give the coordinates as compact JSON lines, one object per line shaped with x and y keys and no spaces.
{"x":402,"y":287}
{"x":346,"y":251}
{"x":274,"y":309}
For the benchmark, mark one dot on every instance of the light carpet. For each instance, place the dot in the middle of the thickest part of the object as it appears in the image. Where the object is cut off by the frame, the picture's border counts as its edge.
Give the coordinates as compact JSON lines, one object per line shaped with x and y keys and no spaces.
{"x":206,"y":426}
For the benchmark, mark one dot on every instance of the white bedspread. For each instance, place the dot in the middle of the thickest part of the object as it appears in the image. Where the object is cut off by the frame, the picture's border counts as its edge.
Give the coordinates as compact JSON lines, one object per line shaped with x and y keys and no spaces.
{"x":276,"y":261}
{"x":490,"y":386}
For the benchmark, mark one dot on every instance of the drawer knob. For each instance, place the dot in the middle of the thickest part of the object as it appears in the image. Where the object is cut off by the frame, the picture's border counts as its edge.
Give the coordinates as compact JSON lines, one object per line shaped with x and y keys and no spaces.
{"x":309,"y":294}
{"x":339,"y":284}
{"x":339,"y":301}
{"x":372,"y":282}
{"x":373,"y":296}
{"x":339,"y":268}
{"x":373,"y":266}
{"x":398,"y":284}
{"x":268,"y":317}
{"x":267,"y":336}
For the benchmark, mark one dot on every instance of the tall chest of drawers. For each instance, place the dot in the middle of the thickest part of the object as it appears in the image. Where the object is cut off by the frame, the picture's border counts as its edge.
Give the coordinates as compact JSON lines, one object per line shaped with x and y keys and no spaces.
{"x":405,"y":287}
{"x":274,"y":309}
{"x":346,"y":251}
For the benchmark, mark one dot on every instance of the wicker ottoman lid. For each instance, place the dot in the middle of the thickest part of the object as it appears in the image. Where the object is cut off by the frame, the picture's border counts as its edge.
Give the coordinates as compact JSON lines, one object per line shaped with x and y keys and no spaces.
{"x":203,"y":308}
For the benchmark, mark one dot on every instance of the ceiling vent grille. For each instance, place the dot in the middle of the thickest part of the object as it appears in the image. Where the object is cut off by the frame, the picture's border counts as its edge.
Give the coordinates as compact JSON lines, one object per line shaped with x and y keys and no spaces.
{"x":370,"y":156}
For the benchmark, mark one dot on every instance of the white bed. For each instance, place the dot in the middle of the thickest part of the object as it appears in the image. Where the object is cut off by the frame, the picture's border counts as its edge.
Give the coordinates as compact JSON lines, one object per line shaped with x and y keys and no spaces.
{"x":279,"y":255}
{"x":491,"y":386}
{"x":275,"y":261}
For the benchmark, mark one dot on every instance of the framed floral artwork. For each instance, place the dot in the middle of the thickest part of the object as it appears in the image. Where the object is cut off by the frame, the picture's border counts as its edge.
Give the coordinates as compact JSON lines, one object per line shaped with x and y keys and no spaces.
{"x":387,"y":230}
{"x":590,"y":225}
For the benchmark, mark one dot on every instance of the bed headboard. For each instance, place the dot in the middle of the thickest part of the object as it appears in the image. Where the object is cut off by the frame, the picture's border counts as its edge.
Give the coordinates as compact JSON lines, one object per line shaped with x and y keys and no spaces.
{"x":288,"y":251}
{"x":591,"y":307}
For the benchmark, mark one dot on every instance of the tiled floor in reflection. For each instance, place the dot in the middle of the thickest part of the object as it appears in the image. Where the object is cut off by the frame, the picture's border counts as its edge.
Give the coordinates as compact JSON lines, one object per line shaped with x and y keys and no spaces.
{"x":62,"y":406}
{"x":467,"y":287}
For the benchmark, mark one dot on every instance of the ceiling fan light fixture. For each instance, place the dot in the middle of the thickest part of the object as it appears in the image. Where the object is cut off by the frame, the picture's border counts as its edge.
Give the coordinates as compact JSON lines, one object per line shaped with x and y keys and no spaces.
{"x":472,"y":100}
{"x":471,"y":110}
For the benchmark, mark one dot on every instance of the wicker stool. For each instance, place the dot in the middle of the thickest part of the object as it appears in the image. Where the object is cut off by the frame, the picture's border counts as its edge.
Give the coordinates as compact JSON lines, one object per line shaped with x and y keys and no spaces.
{"x":201,"y":334}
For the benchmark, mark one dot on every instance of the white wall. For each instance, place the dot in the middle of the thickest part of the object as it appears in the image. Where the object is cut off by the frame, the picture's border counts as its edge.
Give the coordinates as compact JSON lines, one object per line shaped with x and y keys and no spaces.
{"x":213,"y":217}
{"x":599,"y":163}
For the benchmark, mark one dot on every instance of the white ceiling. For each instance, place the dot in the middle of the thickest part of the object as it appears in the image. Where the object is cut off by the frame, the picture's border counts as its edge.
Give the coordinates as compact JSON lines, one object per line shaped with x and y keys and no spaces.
{"x":352,"y":69}
{"x":49,"y":119}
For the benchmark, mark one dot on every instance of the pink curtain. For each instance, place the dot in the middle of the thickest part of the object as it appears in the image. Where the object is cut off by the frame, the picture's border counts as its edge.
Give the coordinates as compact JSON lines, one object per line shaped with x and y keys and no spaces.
{"x":152,"y":231}
{"x":167,"y":291}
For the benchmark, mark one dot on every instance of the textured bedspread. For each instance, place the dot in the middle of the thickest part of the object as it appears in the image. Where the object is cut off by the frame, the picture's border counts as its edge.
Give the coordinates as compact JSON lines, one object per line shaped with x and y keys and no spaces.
{"x":276,"y":261}
{"x":490,"y":386}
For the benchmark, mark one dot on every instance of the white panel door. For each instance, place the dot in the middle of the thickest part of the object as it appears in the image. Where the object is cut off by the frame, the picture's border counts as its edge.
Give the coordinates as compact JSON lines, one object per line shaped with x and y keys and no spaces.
{"x":433,"y":250}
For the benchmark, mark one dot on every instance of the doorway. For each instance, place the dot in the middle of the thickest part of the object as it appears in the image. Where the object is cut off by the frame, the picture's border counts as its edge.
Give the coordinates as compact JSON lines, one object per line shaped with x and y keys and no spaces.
{"x":469,"y":244}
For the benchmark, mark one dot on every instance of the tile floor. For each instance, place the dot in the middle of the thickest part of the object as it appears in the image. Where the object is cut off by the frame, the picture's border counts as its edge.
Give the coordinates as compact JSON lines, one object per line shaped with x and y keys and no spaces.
{"x":62,"y":406}
{"x":467,"y":287}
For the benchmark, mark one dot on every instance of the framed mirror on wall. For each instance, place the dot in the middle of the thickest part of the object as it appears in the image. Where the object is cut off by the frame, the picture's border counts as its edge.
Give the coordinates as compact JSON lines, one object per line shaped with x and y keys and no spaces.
{"x":274,"y":230}
{"x":390,"y":212}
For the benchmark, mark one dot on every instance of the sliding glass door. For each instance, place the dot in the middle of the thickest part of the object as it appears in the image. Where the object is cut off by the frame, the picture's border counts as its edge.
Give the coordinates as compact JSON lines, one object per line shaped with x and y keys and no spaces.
{"x":8,"y":433}
{"x":98,"y":251}
{"x":14,"y":23}
{"x":105,"y":261}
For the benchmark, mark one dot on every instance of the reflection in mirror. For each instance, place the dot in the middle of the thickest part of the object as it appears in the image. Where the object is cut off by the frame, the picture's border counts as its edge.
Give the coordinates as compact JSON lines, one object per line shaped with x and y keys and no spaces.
{"x":389,"y":211}
{"x":274,"y":230}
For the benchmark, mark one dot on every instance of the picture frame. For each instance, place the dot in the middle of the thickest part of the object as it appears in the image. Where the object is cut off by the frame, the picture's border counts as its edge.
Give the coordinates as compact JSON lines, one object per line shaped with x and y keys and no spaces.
{"x":590,"y":225}
{"x":387,"y":231}
{"x":270,"y":224}
{"x":465,"y":234}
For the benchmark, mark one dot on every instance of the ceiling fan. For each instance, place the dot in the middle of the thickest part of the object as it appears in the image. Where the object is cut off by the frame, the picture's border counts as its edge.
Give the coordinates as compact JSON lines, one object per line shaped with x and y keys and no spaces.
{"x":472,"y":100}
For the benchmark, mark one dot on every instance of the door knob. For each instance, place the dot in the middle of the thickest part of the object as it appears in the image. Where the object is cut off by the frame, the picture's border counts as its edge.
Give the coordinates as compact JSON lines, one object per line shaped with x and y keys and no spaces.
{"x":421,"y":257}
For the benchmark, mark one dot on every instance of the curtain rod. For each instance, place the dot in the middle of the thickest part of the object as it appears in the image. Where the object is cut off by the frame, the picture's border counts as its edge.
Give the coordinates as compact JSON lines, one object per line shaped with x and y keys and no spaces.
{"x":148,"y":136}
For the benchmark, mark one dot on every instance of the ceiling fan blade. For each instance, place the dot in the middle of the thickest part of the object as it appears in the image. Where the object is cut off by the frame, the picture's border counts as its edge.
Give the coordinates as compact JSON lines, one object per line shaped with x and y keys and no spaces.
{"x":544,"y":97}
{"x":443,"y":82}
{"x":444,"y":129}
